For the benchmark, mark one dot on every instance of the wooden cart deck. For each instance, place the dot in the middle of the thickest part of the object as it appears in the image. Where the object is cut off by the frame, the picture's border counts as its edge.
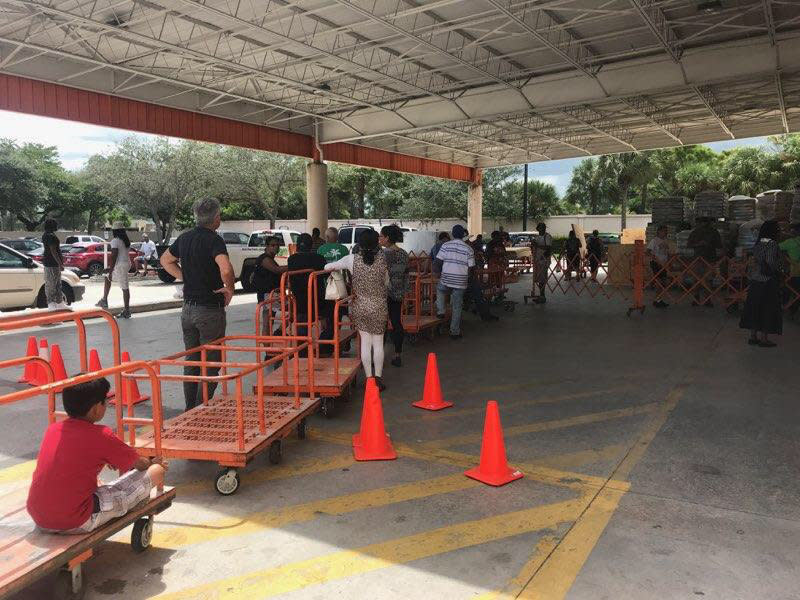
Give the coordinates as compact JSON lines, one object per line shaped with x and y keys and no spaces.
{"x":209,"y":431}
{"x":325,"y":380}
{"x":27,"y":554}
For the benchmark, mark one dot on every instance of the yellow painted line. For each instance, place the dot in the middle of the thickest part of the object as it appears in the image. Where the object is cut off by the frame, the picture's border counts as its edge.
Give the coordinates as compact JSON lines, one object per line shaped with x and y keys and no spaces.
{"x":557,"y":573}
{"x":537,"y":472}
{"x":19,"y":472}
{"x":472,"y":410}
{"x":556,"y":576}
{"x":189,"y":533}
{"x":512,"y":589}
{"x":347,"y":563}
{"x":281,"y":471}
{"x":584,"y":419}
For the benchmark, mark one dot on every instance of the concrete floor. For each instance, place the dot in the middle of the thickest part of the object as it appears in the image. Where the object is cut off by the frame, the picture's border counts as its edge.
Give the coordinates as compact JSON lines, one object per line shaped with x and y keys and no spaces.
{"x":660,"y":455}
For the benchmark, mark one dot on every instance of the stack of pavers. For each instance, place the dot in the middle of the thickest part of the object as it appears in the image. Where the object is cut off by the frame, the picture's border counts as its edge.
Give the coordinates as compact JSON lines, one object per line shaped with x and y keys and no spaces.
{"x":710,"y":204}
{"x":777,"y":205}
{"x":741,"y":209}
{"x":669,"y":212}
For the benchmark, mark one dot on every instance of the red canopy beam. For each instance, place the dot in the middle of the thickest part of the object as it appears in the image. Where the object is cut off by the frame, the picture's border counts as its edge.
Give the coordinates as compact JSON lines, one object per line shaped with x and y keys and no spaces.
{"x":46,"y":99}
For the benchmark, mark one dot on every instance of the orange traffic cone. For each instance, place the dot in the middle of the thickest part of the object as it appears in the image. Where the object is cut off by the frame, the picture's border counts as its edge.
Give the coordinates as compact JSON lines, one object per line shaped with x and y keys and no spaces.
{"x":94,"y":365}
{"x":40,"y":376}
{"x":372,"y":442}
{"x":494,"y":468}
{"x":29,"y":374}
{"x":130,"y":389}
{"x":57,"y":362}
{"x":432,"y":393}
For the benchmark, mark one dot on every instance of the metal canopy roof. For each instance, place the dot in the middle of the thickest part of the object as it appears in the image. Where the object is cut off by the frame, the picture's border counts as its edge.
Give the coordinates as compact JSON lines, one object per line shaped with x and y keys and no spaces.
{"x":475,"y":82}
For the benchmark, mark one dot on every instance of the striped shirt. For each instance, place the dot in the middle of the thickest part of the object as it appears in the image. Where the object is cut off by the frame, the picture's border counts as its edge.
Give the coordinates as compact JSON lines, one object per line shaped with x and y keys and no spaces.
{"x":457,"y":257}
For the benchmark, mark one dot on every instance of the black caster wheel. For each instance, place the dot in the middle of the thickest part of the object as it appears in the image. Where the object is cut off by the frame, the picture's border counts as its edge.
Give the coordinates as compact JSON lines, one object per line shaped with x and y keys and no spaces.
{"x":326,"y":407}
{"x":275,"y":452}
{"x":142,"y":534}
{"x":412,"y":339}
{"x":227,"y":482}
{"x":301,"y":430}
{"x":69,"y":585}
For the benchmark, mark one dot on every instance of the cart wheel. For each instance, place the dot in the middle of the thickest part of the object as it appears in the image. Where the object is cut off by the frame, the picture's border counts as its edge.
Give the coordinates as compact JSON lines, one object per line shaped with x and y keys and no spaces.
{"x":69,"y":586}
{"x":412,"y":338}
{"x":275,"y":452}
{"x":301,"y":429}
{"x":142,"y":534}
{"x":227,"y":482}
{"x":326,"y":407}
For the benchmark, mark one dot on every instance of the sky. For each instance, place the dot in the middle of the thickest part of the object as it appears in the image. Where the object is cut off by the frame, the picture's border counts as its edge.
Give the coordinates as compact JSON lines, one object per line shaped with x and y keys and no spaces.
{"x":77,"y":141}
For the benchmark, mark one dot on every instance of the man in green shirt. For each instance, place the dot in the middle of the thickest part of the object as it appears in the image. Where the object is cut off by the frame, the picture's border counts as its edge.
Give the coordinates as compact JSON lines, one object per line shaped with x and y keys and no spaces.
{"x":791,"y":248}
{"x":332,"y":250}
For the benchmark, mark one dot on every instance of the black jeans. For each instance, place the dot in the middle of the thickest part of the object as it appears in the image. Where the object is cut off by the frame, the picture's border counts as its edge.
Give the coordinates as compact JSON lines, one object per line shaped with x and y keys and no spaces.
{"x":396,"y":319}
{"x":201,"y":325}
{"x":475,"y":293}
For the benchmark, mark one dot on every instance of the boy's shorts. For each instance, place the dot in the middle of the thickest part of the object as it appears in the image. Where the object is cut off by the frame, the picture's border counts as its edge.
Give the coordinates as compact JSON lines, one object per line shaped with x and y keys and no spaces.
{"x":115,"y":499}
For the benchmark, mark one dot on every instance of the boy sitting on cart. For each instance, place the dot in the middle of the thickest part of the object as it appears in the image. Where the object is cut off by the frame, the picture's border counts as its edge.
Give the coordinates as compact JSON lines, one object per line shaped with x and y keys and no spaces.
{"x":64,"y":496}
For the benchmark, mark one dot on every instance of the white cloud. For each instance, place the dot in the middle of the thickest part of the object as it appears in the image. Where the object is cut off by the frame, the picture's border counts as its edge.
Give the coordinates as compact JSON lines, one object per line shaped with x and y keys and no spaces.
{"x":560,"y":182}
{"x":75,"y":142}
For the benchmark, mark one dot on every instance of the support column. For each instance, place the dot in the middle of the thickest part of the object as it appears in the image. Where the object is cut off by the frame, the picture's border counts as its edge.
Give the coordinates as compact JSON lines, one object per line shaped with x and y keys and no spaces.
{"x":475,"y":209}
{"x":317,"y":196}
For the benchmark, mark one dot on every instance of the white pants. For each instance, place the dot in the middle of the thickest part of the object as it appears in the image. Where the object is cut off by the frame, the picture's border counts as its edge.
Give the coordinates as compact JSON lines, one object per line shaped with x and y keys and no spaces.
{"x":372,"y":353}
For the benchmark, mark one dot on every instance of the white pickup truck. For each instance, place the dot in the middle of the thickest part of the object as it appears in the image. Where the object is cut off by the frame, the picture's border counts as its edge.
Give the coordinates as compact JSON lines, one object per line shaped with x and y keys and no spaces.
{"x":244,"y":249}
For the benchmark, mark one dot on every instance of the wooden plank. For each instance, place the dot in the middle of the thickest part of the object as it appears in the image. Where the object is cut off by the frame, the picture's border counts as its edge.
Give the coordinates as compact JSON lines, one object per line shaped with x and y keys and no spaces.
{"x":27,"y":554}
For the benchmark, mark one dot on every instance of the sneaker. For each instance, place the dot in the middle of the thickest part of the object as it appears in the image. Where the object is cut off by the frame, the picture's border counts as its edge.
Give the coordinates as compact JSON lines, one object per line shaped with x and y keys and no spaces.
{"x":767,"y":344}
{"x":541,"y":300}
{"x":102,"y":304}
{"x":52,"y":306}
{"x":380,"y":384}
{"x":62,"y":306}
{"x":397,"y":361}
{"x":125,"y":314}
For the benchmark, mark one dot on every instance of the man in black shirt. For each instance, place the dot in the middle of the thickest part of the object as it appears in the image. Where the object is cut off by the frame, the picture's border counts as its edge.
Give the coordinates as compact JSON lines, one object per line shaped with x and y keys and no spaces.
{"x":53,"y":265}
{"x":208,"y":281}
{"x":307,"y":258}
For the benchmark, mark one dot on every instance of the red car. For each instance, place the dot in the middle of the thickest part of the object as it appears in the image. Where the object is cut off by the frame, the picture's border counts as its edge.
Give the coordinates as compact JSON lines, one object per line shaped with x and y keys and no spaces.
{"x":87,"y":258}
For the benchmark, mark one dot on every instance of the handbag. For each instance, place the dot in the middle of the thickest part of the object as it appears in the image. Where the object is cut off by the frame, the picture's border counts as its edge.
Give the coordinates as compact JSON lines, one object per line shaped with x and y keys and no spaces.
{"x":335,"y":288}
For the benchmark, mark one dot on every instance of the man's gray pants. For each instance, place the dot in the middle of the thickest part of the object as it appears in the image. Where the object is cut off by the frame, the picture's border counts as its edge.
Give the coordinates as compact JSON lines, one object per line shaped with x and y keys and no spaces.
{"x":201,"y":325}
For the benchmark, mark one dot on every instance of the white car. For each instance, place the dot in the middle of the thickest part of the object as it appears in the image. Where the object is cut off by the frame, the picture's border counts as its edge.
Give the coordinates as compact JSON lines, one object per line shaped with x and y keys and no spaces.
{"x":348,"y":234}
{"x":84,"y":239}
{"x":22,"y":282}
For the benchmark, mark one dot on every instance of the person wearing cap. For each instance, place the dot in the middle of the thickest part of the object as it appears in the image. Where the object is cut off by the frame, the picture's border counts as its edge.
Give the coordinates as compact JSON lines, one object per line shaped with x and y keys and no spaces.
{"x":118,"y":267}
{"x":453,"y":263}
{"x":791,"y":248}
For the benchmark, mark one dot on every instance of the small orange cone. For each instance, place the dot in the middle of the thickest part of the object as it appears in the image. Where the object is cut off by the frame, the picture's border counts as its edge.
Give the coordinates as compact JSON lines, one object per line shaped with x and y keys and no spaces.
{"x":40,"y":376}
{"x":372,"y":442}
{"x":494,"y":468}
{"x":57,"y":362}
{"x":130,"y":389}
{"x":94,"y":365}
{"x":29,"y":374}
{"x":432,"y":393}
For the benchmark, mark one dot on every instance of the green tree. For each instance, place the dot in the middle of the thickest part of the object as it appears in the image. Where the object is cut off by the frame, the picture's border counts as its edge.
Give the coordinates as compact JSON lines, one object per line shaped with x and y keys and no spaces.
{"x":429,"y":199}
{"x":590,"y":189}
{"x":502,"y":193}
{"x":626,"y":171}
{"x":748,"y":170}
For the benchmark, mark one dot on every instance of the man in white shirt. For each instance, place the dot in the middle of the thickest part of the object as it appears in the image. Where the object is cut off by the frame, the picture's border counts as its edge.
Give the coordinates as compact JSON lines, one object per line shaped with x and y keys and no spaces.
{"x":148,"y":249}
{"x":658,"y":252}
{"x":453,"y":263}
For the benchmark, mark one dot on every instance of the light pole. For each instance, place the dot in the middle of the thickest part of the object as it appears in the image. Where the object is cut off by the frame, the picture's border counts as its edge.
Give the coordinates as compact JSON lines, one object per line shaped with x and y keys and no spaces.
{"x":525,"y":200}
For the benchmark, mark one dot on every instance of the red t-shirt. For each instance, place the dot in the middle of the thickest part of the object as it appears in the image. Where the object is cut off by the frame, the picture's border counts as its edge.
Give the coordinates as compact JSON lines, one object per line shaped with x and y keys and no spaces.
{"x":72,"y":454}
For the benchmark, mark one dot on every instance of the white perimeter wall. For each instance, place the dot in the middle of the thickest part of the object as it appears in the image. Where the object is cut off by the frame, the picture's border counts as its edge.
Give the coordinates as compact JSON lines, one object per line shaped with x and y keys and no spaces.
{"x":556,"y":225}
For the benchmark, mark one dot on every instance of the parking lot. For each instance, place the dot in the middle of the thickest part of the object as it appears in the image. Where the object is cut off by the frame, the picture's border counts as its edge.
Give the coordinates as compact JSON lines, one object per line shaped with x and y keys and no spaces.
{"x":673,"y":475}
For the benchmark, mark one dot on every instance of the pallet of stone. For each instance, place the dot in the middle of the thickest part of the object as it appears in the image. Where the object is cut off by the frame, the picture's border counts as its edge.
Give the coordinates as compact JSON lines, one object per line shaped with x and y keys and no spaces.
{"x":775,"y":204}
{"x":710,"y":203}
{"x":741,"y":209}
{"x":670,"y":209}
{"x":652,"y":229}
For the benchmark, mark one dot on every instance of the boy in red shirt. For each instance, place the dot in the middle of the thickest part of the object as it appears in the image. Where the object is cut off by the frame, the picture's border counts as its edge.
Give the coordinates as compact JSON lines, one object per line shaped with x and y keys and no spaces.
{"x":64,"y":496}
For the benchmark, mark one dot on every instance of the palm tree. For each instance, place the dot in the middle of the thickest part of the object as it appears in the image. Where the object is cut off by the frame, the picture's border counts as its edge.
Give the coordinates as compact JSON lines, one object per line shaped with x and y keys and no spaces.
{"x":626,"y":170}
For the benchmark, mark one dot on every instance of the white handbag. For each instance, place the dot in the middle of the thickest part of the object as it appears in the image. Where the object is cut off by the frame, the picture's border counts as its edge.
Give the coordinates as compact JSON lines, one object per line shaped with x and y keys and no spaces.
{"x":335,"y":289}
